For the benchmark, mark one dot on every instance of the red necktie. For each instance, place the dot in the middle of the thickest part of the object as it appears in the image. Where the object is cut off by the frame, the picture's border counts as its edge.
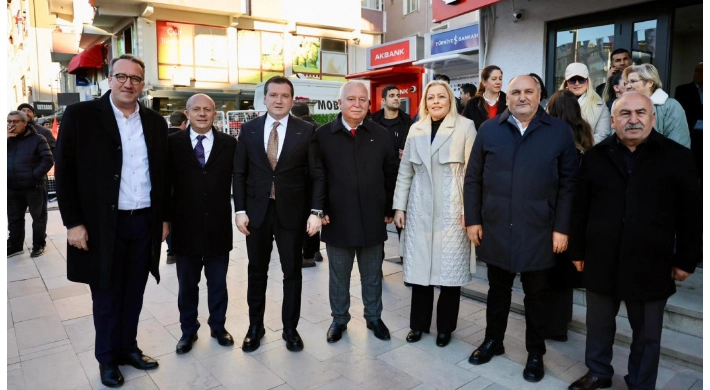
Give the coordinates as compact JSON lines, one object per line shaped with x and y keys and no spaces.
{"x":353,"y":131}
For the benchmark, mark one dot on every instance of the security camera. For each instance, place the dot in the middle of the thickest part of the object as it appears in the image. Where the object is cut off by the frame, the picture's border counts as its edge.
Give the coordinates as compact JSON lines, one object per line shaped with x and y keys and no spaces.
{"x":356,"y":41}
{"x":517,"y":16}
{"x":413,"y":89}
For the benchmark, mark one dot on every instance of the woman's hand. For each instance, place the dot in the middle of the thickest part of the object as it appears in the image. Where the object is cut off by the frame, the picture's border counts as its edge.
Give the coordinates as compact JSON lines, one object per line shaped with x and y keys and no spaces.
{"x":400,"y":219}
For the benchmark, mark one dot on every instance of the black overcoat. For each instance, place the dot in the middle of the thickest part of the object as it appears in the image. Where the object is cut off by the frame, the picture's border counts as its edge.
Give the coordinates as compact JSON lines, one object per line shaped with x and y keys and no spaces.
{"x":360,"y":175}
{"x":625,"y":227}
{"x":88,"y":174}
{"x":200,"y":207}
{"x":475,"y":112}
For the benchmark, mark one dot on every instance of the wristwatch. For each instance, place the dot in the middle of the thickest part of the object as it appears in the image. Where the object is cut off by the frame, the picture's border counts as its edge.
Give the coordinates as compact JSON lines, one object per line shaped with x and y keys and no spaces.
{"x":318,"y":213}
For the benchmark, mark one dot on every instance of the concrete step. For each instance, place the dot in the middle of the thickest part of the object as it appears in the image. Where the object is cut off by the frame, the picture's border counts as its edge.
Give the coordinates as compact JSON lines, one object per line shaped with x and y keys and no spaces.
{"x":683,"y":318}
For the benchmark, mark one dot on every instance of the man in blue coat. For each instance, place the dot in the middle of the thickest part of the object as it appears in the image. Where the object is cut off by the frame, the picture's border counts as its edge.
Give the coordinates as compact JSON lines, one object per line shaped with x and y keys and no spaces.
{"x":518,"y":191}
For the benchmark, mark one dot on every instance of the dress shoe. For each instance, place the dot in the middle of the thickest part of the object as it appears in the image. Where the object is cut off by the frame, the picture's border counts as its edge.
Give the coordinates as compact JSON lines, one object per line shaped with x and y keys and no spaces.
{"x":223,"y":337}
{"x":185,"y":343}
{"x":253,"y":338}
{"x":486,"y":351}
{"x":590,"y":382}
{"x":12,"y":252}
{"x":110,"y":375}
{"x":171,"y":259}
{"x":37,"y":251}
{"x":318,"y":256}
{"x":307,"y":263}
{"x":294,"y":343}
{"x":139,"y":361}
{"x":379,"y":328}
{"x":335,"y":332}
{"x":442,"y":339}
{"x":561,"y":338}
{"x":534,"y":369}
{"x":414,"y":335}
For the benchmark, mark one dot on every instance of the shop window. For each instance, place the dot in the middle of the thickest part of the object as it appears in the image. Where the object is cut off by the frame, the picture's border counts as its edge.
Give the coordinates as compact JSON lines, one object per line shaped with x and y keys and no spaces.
{"x":372,"y":4}
{"x":319,"y":58}
{"x":261,"y":55}
{"x":590,"y":46}
{"x":410,"y":6}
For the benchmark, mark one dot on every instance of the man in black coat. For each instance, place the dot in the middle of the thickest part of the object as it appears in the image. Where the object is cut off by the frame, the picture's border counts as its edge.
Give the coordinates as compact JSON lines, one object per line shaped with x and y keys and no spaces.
{"x":178,"y":122}
{"x":360,"y":165}
{"x":271,"y":201}
{"x":41,"y":130}
{"x":200,"y":167}
{"x":110,"y":171}
{"x":690,"y":96}
{"x":28,"y":161}
{"x":518,"y":201}
{"x":636,"y":230}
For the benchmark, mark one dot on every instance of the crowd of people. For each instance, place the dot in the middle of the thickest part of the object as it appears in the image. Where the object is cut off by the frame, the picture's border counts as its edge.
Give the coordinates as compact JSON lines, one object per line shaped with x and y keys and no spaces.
{"x":567,"y":192}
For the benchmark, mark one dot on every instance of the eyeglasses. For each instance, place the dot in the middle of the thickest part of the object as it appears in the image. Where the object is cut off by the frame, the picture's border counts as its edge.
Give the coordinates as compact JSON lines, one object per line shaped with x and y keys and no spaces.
{"x":577,"y":80}
{"x":122,"y":77}
{"x":631,"y":81}
{"x":14,"y":121}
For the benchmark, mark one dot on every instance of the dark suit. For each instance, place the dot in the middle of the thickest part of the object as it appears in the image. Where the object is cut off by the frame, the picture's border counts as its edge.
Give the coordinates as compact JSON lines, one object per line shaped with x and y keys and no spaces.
{"x":121,"y":249}
{"x":311,"y":244}
{"x":688,"y":96}
{"x":283,"y":219}
{"x":200,"y":212}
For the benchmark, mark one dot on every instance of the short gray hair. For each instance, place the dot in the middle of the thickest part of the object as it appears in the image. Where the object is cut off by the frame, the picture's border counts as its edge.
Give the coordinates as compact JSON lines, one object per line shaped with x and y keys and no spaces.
{"x":129,"y":57}
{"x":21,"y":114}
{"x":353,"y":82}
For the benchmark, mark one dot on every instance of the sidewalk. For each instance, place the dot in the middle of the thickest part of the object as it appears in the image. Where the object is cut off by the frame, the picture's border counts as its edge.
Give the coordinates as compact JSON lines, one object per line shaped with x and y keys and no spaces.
{"x":50,"y":338}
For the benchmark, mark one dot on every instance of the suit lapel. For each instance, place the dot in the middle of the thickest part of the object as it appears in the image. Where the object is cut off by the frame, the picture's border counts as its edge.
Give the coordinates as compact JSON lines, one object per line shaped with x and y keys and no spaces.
{"x":422,"y":140}
{"x":186,"y":146}
{"x":107,"y":117}
{"x":217,"y":146}
{"x":148,"y":127}
{"x":445,"y":130}
{"x":257,"y":141}
{"x":292,"y":137}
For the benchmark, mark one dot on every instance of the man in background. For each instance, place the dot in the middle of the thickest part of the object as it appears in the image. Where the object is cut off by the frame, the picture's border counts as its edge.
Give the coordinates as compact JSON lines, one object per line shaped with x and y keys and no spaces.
{"x":620,"y":60}
{"x":468,"y":91}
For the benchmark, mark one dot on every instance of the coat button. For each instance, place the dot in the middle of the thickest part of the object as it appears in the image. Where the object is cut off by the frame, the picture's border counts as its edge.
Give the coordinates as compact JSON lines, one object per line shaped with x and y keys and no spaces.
{"x":438,"y":214}
{"x":118,"y":148}
{"x":115,"y":177}
{"x":113,"y":207}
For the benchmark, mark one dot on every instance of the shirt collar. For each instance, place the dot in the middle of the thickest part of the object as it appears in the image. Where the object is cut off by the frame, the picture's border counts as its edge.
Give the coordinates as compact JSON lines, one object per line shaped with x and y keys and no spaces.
{"x":270,"y":121}
{"x":193,"y":135}
{"x":118,"y":112}
{"x":347,"y":127}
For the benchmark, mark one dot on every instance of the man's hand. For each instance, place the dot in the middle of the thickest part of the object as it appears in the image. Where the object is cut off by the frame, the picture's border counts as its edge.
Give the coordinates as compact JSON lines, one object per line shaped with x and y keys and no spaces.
{"x":579,"y":264}
{"x":325,"y":220}
{"x":559,"y":242}
{"x":388,"y":220}
{"x":78,"y":237}
{"x":400,"y":219}
{"x":678,"y":274}
{"x":475,"y":233}
{"x":612,"y":70}
{"x":12,"y":134}
{"x":313,"y":225}
{"x":242,"y":222}
{"x":401,"y":153}
{"x":166,"y":230}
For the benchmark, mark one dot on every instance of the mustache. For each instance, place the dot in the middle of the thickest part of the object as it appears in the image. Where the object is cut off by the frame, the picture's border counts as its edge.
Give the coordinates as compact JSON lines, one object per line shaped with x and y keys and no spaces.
{"x":637,"y":126}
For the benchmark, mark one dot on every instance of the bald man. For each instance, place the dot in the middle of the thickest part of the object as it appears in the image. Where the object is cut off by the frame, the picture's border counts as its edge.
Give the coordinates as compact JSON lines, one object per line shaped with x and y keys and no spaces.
{"x":200,"y":162}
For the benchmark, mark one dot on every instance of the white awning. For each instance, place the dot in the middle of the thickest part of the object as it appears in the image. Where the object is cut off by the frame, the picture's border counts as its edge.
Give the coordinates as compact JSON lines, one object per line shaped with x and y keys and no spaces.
{"x":446,"y":60}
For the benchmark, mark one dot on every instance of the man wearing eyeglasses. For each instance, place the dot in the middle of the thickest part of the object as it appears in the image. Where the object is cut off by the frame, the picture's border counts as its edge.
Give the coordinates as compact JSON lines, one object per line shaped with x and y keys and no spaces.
{"x":111,"y":157}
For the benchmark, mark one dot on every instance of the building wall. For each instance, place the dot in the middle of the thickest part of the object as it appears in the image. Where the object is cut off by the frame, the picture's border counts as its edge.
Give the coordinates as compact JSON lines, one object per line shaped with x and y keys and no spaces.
{"x":417,"y":22}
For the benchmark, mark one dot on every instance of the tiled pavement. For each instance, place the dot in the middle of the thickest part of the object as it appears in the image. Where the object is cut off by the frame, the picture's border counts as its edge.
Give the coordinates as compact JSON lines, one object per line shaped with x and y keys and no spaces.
{"x":50,"y":338}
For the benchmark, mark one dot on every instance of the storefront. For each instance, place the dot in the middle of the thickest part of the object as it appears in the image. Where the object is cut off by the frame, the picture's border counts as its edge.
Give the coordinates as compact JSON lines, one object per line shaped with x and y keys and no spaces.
{"x":392,"y":64}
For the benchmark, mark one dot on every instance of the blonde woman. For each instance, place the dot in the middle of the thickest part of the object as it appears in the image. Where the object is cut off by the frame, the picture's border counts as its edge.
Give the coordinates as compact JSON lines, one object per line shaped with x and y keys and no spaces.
{"x":428,"y":203}
{"x":594,"y":111}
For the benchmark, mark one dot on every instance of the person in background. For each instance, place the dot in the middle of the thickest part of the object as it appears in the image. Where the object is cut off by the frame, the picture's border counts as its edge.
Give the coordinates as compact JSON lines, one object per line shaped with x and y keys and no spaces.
{"x":593,"y":109}
{"x":543,"y":91}
{"x":489,"y":100}
{"x":670,"y":116}
{"x":311,"y":244}
{"x":28,"y":161}
{"x":620,"y":60}
{"x":690,"y":97}
{"x":29,"y":110}
{"x":178,"y":121}
{"x":468,"y":91}
{"x":636,"y":232}
{"x":47,"y":124}
{"x":615,"y":87}
{"x":428,"y":202}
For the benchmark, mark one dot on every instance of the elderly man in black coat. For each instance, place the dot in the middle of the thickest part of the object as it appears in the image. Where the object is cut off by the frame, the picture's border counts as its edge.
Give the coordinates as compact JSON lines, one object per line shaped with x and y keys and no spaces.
{"x":517,"y":200}
{"x":360,"y":167}
{"x":636,"y":230}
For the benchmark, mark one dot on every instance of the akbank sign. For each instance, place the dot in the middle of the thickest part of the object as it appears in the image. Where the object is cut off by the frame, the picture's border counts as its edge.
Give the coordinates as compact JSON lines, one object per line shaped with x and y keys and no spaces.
{"x":455,"y":41}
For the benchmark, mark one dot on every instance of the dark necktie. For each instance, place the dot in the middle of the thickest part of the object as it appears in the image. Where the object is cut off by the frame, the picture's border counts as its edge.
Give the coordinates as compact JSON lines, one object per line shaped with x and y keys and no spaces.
{"x":200,"y":150}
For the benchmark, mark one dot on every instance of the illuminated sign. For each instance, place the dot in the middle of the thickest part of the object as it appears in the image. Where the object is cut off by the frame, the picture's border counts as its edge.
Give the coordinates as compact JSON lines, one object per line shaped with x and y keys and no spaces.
{"x":392,"y":53}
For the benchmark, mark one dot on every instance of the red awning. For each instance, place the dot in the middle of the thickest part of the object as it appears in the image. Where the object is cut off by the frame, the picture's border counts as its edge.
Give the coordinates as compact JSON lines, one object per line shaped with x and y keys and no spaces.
{"x":386,"y":72}
{"x":92,"y":57}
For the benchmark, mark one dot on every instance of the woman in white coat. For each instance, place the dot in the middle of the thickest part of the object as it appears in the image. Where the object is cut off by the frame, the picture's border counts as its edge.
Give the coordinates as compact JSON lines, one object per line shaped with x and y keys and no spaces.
{"x":428,"y":203}
{"x":594,"y":111}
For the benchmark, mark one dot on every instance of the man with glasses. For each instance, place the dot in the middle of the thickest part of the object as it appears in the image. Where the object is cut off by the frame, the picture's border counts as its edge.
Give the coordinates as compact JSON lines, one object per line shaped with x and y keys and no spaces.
{"x":110,"y":171}
{"x":620,"y":60}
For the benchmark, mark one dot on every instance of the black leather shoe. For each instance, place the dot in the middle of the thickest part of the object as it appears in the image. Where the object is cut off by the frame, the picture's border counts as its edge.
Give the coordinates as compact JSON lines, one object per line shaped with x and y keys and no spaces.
{"x":139,"y":361}
{"x":534,"y":369}
{"x":223,"y":337}
{"x":590,"y":382}
{"x":185,"y":343}
{"x":37,"y":251}
{"x":442,"y":339}
{"x":486,"y":351}
{"x":253,"y":338}
{"x":318,"y":256}
{"x":110,"y":375}
{"x":561,"y":338}
{"x":307,"y":263}
{"x":380,"y":329}
{"x":414,"y":335}
{"x":294,"y":343}
{"x":335,"y":332}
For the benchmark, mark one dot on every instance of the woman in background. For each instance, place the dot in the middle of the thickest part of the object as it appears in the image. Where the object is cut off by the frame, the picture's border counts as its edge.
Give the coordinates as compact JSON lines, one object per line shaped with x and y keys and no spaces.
{"x":593,"y":109}
{"x":613,"y":89}
{"x":489,"y":100}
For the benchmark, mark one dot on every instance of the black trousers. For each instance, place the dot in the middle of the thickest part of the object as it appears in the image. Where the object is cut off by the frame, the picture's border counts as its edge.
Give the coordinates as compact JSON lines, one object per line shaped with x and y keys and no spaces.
{"x":646,"y":319}
{"x":17,"y":203}
{"x":535,"y":286}
{"x":259,"y":246}
{"x":116,"y":310}
{"x":189,"y":272}
{"x":696,"y":146}
{"x":447,"y":308}
{"x":311,"y":245}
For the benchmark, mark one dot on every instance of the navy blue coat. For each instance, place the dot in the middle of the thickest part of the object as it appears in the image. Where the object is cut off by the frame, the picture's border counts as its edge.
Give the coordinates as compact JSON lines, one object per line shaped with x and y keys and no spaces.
{"x":520,"y":188}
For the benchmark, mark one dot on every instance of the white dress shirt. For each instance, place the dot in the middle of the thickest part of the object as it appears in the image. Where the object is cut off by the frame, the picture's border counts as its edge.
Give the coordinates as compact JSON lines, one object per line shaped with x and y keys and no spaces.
{"x":134,"y":190}
{"x":519,"y":124}
{"x":347,"y":126}
{"x":206,"y":143}
{"x":281,"y":130}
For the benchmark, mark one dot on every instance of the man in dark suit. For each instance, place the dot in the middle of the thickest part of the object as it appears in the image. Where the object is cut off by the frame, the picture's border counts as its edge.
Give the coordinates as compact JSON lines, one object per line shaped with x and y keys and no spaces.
{"x":110,"y":171}
{"x":270,"y":198}
{"x":690,"y":96}
{"x":178,"y":122}
{"x":360,"y":167}
{"x":636,"y":231}
{"x":200,"y":165}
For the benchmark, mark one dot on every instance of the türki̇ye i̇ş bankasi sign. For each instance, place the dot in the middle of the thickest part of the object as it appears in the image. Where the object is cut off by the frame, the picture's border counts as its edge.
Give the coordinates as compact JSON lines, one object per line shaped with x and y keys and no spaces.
{"x":458,"y":40}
